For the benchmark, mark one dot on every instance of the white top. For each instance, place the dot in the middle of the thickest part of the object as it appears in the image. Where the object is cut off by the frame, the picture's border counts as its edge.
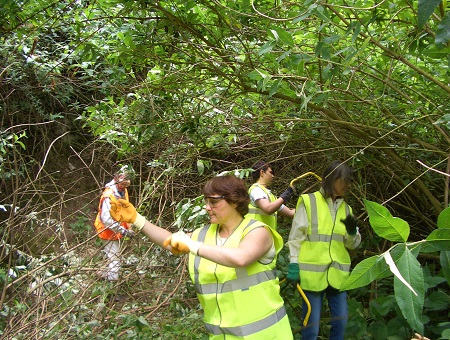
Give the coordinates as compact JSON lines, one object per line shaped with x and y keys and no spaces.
{"x":105,"y":216}
{"x":257,"y":193}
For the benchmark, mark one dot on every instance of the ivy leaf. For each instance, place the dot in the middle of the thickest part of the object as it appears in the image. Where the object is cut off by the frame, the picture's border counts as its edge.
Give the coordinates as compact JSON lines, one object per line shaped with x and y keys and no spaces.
{"x":425,"y":10}
{"x":385,"y":225}
{"x":410,"y":300}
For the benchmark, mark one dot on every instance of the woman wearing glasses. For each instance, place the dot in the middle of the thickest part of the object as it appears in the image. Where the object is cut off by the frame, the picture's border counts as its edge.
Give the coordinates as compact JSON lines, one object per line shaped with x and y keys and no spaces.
{"x":231,"y":263}
{"x":264,"y":206}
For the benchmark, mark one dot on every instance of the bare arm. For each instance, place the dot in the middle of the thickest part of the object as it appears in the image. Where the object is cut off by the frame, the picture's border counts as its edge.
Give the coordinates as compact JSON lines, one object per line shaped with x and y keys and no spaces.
{"x":156,"y":234}
{"x":254,"y":245}
{"x":269,"y":207}
{"x":287,"y":212}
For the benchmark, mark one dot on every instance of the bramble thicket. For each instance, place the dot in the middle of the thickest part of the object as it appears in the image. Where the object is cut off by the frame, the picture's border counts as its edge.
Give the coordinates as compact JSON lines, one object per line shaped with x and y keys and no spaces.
{"x":186,"y":90}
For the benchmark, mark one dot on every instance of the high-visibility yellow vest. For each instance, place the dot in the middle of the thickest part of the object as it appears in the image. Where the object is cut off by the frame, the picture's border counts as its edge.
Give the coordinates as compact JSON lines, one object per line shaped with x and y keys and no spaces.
{"x":323,"y":258}
{"x":239,"y":303}
{"x":257,"y":214}
{"x":103,"y":232}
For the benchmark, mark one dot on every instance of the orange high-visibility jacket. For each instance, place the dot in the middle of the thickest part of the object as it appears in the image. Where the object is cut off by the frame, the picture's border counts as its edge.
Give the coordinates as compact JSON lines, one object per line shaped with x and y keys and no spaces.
{"x":104,"y":232}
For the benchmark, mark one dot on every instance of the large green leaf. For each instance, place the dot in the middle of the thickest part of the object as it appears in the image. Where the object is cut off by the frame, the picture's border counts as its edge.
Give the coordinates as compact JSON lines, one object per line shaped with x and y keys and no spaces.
{"x":445,"y":264}
{"x":437,"y":300}
{"x":410,"y":301}
{"x":370,"y":269}
{"x":443,"y":30}
{"x":436,"y":52}
{"x":426,"y":9}
{"x":444,"y":218}
{"x":364,"y":273}
{"x":385,"y":225}
{"x":439,"y":239}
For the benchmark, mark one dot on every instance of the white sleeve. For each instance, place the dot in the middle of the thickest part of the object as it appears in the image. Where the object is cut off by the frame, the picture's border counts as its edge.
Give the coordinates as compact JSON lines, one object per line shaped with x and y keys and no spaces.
{"x":298,"y":232}
{"x":352,"y":241}
{"x":256,"y":194}
{"x":105,"y":216}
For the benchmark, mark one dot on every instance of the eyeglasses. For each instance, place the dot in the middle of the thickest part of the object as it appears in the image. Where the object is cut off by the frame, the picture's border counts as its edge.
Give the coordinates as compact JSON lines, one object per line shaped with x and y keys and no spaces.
{"x":213,"y":201}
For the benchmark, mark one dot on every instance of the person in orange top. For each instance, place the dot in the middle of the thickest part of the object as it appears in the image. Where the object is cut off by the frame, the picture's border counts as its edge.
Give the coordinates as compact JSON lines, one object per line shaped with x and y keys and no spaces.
{"x":109,"y":230}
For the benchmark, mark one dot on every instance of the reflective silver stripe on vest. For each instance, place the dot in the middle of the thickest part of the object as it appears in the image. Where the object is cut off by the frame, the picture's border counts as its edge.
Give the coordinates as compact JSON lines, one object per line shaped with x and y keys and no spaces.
{"x":325,"y":238}
{"x":201,"y":238}
{"x":314,"y":217}
{"x":255,"y":211}
{"x":242,"y":282}
{"x":315,"y":236}
{"x":251,"y":328}
{"x":323,"y":268}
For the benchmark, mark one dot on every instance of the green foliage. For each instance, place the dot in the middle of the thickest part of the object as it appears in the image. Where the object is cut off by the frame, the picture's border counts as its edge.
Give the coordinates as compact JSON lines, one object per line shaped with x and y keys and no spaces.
{"x":426,"y":9}
{"x":82,"y":226}
{"x":190,"y":214}
{"x":190,"y":88}
{"x":401,"y":259}
{"x":389,"y":227}
{"x":10,"y":144}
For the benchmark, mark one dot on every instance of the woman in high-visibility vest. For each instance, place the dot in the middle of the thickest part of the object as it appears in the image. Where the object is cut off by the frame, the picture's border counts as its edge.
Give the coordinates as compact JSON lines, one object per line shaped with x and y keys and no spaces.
{"x":231,"y":263}
{"x":265,"y":206}
{"x":109,"y":230}
{"x":323,"y":229}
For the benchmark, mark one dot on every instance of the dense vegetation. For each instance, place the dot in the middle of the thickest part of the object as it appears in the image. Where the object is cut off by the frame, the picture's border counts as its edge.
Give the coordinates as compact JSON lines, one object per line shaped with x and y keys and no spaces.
{"x":184,"y":90}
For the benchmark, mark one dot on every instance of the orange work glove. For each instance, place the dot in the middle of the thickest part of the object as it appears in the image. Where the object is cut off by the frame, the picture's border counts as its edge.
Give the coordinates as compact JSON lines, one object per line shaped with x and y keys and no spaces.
{"x":123,"y":211}
{"x":173,"y":250}
{"x":182,"y":244}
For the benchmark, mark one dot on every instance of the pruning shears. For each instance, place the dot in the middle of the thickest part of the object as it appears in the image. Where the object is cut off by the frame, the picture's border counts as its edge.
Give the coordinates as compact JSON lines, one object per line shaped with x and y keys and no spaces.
{"x":302,"y":293}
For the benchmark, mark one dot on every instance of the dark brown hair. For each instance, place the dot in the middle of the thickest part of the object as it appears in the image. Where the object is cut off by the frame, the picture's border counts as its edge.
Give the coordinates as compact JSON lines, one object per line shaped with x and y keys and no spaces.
{"x":232,"y":188}
{"x":335,"y":170}
{"x":257,"y":167}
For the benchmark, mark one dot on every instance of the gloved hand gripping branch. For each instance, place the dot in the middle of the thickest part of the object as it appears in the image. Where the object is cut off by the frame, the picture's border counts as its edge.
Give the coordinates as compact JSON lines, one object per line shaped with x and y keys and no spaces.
{"x":126,"y":232}
{"x":182,"y":244}
{"x":123,"y":211}
{"x":287,"y":194}
{"x":350,"y":223}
